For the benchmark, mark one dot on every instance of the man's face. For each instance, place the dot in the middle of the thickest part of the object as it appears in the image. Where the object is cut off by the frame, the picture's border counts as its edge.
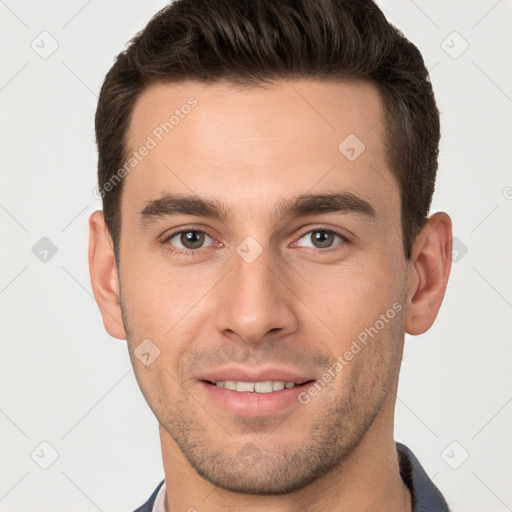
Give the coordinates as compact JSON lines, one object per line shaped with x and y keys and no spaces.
{"x":263,"y":293}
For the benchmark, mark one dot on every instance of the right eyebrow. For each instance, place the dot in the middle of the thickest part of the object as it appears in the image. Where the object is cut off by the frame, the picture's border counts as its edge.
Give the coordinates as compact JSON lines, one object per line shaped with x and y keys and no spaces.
{"x":174,"y":204}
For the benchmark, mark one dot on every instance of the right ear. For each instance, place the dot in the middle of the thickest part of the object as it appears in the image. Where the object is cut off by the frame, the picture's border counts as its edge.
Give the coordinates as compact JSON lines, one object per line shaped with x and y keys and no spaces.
{"x":104,"y":278}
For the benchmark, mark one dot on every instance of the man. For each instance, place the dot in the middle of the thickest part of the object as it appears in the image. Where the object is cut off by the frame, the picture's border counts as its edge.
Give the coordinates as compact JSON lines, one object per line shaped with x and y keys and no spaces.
{"x":266,"y":170}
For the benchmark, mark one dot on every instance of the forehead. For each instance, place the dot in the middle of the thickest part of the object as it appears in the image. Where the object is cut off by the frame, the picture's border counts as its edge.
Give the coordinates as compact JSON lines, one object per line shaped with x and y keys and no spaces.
{"x":250,"y":147}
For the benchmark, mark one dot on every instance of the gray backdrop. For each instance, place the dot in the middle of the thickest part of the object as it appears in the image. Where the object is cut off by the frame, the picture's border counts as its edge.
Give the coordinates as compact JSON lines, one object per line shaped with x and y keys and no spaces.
{"x":76,"y":433}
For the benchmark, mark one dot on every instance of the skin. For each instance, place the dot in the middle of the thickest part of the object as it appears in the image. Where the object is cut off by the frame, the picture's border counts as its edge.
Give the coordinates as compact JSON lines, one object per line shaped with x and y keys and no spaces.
{"x":296,"y":305}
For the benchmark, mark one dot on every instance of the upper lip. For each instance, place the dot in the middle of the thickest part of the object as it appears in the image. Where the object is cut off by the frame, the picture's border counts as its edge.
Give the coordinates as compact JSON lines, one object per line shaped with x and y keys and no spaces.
{"x":261,"y":375}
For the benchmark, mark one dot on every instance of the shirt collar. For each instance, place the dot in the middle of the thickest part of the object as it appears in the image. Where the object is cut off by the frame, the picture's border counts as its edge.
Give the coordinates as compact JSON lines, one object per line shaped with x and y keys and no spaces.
{"x":425,"y":496}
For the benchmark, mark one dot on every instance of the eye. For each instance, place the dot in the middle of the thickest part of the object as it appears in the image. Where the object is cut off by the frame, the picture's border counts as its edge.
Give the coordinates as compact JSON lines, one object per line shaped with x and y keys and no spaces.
{"x":189,"y":239}
{"x":320,"y":239}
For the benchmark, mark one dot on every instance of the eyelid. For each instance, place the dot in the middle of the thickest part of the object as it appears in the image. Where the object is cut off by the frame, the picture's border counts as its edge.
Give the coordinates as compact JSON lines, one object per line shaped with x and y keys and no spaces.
{"x":191,"y":231}
{"x":185,"y":229}
{"x":345,"y":237}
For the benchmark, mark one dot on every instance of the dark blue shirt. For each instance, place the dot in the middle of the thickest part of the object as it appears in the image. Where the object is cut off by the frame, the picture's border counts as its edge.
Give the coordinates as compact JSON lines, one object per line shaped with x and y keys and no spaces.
{"x":425,"y":495}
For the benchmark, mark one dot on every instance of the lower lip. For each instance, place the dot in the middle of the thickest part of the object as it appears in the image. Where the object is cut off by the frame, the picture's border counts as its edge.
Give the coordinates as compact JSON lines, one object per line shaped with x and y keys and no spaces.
{"x":254,"y":405}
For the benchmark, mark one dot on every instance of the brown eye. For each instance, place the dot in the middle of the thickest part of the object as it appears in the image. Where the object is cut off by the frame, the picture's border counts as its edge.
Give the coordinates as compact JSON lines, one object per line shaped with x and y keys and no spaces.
{"x":189,"y":239}
{"x":321,"y":239}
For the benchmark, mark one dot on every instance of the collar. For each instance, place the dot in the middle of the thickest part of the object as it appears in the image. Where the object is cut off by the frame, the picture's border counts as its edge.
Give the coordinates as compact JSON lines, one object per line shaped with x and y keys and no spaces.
{"x":426,"y":497}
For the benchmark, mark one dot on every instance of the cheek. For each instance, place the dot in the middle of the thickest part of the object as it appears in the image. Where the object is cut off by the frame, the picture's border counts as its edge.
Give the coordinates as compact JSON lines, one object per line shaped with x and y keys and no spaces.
{"x":161,"y":298}
{"x":157,"y":384}
{"x":370,"y":358}
{"x":168,"y":307}
{"x":350,"y":297}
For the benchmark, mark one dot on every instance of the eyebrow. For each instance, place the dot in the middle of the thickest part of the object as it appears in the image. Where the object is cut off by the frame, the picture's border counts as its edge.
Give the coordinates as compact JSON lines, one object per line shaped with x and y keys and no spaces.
{"x":309,"y":204}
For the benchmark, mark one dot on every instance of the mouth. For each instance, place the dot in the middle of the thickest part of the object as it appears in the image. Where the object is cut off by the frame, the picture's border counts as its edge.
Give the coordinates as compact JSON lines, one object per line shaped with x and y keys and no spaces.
{"x":254,"y":399}
{"x":267,"y":386}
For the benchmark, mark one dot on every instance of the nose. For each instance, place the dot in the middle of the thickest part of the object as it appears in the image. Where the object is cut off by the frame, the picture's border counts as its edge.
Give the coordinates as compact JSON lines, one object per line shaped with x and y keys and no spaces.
{"x":256,"y":301}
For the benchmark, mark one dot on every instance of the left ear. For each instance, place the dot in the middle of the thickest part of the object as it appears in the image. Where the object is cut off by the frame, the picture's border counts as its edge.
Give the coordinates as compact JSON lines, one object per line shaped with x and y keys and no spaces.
{"x":428,"y":274}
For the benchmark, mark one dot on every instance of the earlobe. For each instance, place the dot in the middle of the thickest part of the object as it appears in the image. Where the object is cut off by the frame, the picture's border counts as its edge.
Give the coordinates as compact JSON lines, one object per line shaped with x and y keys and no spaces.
{"x":429,"y":270}
{"x":103,"y":273}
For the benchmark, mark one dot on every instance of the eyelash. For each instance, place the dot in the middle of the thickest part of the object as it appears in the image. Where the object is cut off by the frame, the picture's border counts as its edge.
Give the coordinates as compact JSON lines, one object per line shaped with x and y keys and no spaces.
{"x":184,"y":252}
{"x":194,"y":252}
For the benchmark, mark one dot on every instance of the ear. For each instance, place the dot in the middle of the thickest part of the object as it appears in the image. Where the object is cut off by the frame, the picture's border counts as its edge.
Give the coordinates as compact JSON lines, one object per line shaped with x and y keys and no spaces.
{"x":104,"y":278}
{"x":428,"y":274}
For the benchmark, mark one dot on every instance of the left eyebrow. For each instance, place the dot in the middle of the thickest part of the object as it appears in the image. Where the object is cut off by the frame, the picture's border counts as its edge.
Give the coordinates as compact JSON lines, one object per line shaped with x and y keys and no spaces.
{"x":309,"y":204}
{"x":314,"y":204}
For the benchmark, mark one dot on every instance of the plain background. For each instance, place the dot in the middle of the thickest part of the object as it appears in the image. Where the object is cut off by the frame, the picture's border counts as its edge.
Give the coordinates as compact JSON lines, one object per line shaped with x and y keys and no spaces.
{"x":66,"y":383}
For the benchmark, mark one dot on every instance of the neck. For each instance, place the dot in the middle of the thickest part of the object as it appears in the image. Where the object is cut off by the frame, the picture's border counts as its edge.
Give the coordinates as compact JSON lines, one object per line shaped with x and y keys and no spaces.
{"x":368,"y":479}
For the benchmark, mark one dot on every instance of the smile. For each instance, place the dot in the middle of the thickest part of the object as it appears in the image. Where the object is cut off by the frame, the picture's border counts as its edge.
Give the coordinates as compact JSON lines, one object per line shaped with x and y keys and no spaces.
{"x":267,"y":386}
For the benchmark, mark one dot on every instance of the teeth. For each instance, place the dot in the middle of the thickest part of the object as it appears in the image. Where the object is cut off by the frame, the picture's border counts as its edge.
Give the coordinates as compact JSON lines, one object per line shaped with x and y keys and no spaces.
{"x":277,"y":386}
{"x":255,"y":387}
{"x":263,"y":387}
{"x":245,"y":386}
{"x":229,"y":384}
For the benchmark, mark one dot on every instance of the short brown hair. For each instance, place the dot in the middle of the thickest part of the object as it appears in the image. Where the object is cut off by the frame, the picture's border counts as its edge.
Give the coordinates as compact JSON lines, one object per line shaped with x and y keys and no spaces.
{"x":251,"y":42}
